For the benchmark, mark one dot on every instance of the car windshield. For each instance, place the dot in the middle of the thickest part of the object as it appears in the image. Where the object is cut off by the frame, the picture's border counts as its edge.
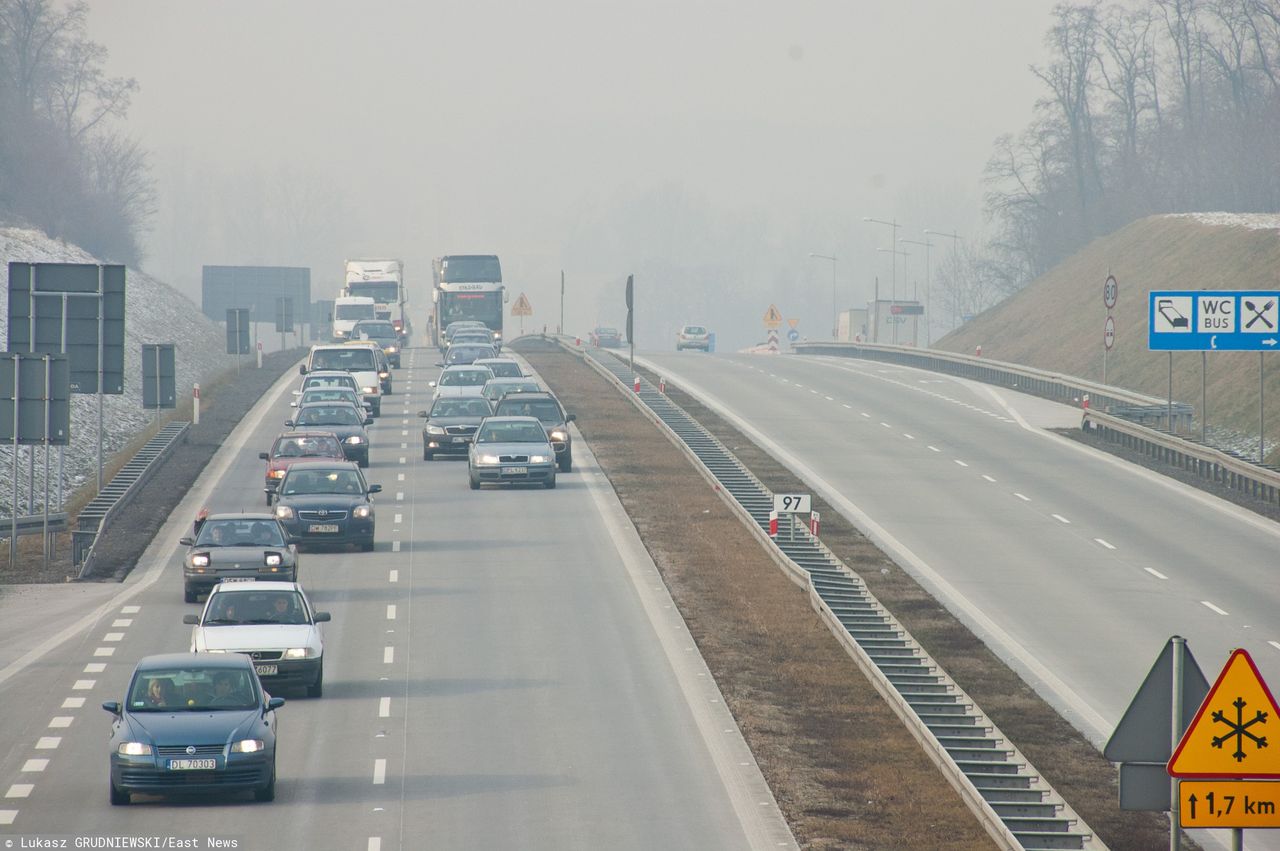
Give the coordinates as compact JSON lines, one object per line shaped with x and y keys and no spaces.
{"x":355,"y":358}
{"x":518,"y":432}
{"x":237,"y":608}
{"x":329,"y":394}
{"x":607,"y":332}
{"x":464,"y":377}
{"x":300,"y":482}
{"x":468,"y":335}
{"x":330,"y":381}
{"x":461,"y":408}
{"x":328,"y":415}
{"x":547,"y":411}
{"x":240,"y":533}
{"x":503,"y":368}
{"x":379,"y":331}
{"x":193,"y":689}
{"x":467,"y":354}
{"x":498,"y":389}
{"x":313,"y":446}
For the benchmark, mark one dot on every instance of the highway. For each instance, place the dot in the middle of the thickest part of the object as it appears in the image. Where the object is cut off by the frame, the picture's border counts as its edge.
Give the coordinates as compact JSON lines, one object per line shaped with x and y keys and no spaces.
{"x":1074,"y":566}
{"x":506,"y":670}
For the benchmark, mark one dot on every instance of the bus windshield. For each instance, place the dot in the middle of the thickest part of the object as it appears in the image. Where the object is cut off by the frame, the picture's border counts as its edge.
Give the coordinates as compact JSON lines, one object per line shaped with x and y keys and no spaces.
{"x":486,"y":307}
{"x":472,"y":268}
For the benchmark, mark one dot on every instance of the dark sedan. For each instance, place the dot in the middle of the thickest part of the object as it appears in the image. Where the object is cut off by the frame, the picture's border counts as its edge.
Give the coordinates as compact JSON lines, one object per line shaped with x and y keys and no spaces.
{"x":341,"y":419}
{"x":547,"y":409}
{"x":461,"y":355}
{"x":327,"y":502}
{"x":451,"y":423}
{"x":193,"y":724}
{"x":241,"y":546}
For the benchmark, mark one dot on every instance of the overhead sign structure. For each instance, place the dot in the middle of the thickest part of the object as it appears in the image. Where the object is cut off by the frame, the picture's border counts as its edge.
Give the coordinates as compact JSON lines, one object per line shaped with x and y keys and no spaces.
{"x":284,"y":314}
{"x":792,"y":503}
{"x":1229,"y":735}
{"x":522,"y":307}
{"x":238,"y":331}
{"x":772,"y":317}
{"x":1229,"y":803}
{"x":1213,"y":320}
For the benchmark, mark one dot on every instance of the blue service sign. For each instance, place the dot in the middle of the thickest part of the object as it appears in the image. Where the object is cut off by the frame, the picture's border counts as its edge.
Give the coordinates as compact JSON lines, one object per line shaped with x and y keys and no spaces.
{"x":1213,"y":320}
{"x":793,"y":335}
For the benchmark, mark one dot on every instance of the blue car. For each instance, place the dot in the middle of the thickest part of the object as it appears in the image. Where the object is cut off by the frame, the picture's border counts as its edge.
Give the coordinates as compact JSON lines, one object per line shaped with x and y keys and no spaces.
{"x":193,"y":724}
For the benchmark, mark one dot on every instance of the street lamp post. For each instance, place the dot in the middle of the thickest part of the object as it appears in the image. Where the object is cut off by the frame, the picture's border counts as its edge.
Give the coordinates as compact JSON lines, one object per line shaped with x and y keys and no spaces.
{"x":893,"y":281}
{"x":927,"y":316}
{"x":835,"y":305}
{"x":955,"y":239}
{"x":893,"y":297}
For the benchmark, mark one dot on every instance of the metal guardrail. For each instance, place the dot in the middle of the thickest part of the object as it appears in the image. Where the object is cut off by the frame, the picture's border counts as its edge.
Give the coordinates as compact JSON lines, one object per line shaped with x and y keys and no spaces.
{"x":33,"y":525}
{"x":96,"y":516}
{"x":1049,"y":385}
{"x":1016,"y":806}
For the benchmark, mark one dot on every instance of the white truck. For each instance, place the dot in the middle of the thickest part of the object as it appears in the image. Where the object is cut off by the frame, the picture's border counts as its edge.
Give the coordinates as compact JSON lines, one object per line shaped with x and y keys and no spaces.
{"x":347,"y":311}
{"x":382,"y":281}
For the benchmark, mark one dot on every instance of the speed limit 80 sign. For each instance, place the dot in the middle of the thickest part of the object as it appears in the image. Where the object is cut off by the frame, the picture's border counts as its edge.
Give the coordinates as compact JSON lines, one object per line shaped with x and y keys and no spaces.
{"x":1110,"y":291}
{"x":792,"y":503}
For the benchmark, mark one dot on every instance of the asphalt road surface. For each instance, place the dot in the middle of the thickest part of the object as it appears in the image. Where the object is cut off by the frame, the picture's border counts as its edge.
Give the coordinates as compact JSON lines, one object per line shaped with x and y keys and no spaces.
{"x":504,"y":671}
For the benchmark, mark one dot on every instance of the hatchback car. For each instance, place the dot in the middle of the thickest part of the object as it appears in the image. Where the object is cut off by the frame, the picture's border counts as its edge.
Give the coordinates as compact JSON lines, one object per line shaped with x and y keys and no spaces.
{"x":606,"y":338}
{"x":382,"y":332}
{"x":693,"y":337}
{"x":332,"y":378}
{"x":193,"y":724}
{"x":496,"y":388}
{"x":548,"y":411}
{"x":236,"y":545}
{"x":327,"y":503}
{"x":360,"y":361}
{"x":273,"y":623}
{"x":343,"y":421}
{"x":461,"y":381}
{"x":292,"y":446}
{"x":501,"y":367}
{"x":451,"y":423}
{"x":330,"y":394}
{"x":458,"y":325}
{"x":511,"y":450}
{"x":466,"y":354}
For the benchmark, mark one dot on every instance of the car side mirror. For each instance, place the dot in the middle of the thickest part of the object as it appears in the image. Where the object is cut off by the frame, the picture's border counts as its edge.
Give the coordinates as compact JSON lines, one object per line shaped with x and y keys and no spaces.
{"x":368,"y":420}
{"x":187,"y":542}
{"x":570,"y":418}
{"x":439,"y":364}
{"x":293,"y":404}
{"x":194,"y":620}
{"x":289,"y":423}
{"x":432,"y":383}
{"x":275,"y":703}
{"x":264,"y":456}
{"x":302,"y":369}
{"x":424,"y":413}
{"x":112,"y":706}
{"x":321,"y":617}
{"x":375,"y":488}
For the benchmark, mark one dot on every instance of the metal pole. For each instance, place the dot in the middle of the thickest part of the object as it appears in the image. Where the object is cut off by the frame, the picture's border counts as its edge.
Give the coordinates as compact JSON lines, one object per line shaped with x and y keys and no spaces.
{"x":1104,"y":363}
{"x":48,"y":400}
{"x":1262,"y":417}
{"x":101,"y":374}
{"x":62,"y":454}
{"x":875,"y":328}
{"x":835,"y":302}
{"x":158,"y":377}
{"x":17,"y":403}
{"x":1237,"y":839}
{"x":31,"y":479}
{"x":1204,"y":397}
{"x":1175,"y":809}
{"x":561,"y":328}
{"x":1170,"y":409}
{"x":928,"y":287}
{"x":893,"y":265}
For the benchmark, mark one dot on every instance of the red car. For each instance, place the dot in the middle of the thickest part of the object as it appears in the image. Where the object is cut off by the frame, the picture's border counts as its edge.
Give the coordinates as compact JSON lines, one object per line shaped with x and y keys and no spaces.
{"x":293,"y":446}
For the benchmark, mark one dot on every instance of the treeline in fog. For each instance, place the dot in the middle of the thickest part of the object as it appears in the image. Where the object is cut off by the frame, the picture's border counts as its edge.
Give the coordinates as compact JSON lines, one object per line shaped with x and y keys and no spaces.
{"x":65,"y":166}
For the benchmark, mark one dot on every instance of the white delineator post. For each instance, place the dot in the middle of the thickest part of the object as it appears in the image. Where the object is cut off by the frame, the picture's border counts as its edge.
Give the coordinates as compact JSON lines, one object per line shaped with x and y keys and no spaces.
{"x":259,"y":354}
{"x":195,"y":405}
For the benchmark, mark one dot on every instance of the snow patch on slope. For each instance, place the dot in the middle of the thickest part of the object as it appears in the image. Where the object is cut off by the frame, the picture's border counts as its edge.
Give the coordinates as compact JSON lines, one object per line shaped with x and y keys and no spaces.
{"x":1252,"y":221}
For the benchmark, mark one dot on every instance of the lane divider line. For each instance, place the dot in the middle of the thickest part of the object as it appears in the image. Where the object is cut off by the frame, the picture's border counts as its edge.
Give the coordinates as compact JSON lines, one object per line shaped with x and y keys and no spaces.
{"x":379,"y":772}
{"x":384,"y":707}
{"x":1211,"y":607}
{"x":1157,"y":574}
{"x":1105,"y":544}
{"x":388,"y":654}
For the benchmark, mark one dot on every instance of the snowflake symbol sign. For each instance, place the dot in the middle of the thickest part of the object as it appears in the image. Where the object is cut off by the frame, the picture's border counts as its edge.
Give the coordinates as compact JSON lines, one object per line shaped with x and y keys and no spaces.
{"x":1240,"y":729}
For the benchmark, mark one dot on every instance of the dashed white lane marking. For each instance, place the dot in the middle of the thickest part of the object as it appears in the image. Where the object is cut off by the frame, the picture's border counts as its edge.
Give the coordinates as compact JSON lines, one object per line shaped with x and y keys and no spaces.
{"x":399,"y":495}
{"x":7,"y":816}
{"x":120,"y":623}
{"x":404,"y":446}
{"x":393,"y":576}
{"x":32,"y":766}
{"x":395,"y":546}
{"x":404,"y":422}
{"x":908,"y":436}
{"x":48,"y":743}
{"x":1021,"y":497}
{"x":828,"y":398}
{"x":61,"y":721}
{"x":384,"y":707}
{"x":19,"y":790}
{"x":73,"y":703}
{"x":83,"y":685}
{"x":886,"y":425}
{"x":1211,"y":607}
{"x":1157,"y":574}
{"x":399,"y":518}
{"x":401,"y":459}
{"x":404,"y":432}
{"x":95,"y":668}
{"x":1275,"y":644}
{"x":391,"y":611}
{"x":1105,"y":544}
{"x":375,"y":843}
{"x":104,"y":651}
{"x":130,"y":610}
{"x":379,"y":772}
{"x":113,"y":636}
{"x":814,"y":392}
{"x":865,"y":414}
{"x":399,"y":477}
{"x":1060,"y":518}
{"x":961,"y":463}
{"x":988,"y":478}
{"x":388,"y":655}
{"x":934,"y":449}
{"x":850,"y":407}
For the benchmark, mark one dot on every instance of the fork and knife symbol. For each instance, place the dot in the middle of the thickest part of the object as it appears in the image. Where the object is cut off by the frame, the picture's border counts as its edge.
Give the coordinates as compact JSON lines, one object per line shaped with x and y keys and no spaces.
{"x":1259,"y":313}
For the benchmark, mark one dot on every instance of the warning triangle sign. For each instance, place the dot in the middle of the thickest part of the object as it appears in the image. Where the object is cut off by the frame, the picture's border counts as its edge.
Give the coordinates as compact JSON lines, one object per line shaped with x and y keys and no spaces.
{"x":1236,"y":733}
{"x":772,"y":317}
{"x":522,"y":307}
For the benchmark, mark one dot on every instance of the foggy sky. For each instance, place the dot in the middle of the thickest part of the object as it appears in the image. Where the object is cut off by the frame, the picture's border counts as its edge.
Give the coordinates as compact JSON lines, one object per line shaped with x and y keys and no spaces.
{"x":301,"y":132}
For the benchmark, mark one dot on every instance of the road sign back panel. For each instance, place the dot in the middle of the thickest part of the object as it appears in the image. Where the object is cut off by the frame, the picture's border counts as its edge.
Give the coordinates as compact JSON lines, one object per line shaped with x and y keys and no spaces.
{"x":1229,"y":737}
{"x":1143,"y":732}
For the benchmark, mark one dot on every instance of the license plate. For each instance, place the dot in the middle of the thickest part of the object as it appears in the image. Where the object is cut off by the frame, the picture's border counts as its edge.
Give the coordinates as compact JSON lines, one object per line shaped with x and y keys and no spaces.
{"x":323,"y":527}
{"x":460,"y":440}
{"x":267,"y":670}
{"x":192,"y":764}
{"x":515,"y":471}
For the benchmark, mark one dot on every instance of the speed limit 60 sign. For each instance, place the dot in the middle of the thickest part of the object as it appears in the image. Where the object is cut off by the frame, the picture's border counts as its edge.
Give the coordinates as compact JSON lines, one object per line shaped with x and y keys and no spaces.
{"x":791,"y":503}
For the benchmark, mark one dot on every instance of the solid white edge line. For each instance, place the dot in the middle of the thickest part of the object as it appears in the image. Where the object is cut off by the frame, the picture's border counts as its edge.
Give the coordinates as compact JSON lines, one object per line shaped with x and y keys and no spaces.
{"x":1088,"y":719}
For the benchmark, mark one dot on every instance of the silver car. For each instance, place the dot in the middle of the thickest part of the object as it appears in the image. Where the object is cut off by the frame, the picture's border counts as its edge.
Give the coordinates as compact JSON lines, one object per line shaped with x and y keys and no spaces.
{"x":246,"y":546}
{"x":511,"y":450}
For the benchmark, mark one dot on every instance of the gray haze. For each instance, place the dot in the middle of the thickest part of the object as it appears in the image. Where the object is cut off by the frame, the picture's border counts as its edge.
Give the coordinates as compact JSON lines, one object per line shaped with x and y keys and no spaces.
{"x":730,"y":138}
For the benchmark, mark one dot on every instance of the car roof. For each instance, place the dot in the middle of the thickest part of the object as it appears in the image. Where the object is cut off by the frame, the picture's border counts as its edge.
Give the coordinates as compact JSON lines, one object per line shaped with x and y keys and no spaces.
{"x":469,"y":397}
{"x":202,"y":660}
{"x":255,"y":585}
{"x":510,"y":419}
{"x":303,"y":432}
{"x":487,"y":361}
{"x":323,"y":464}
{"x":328,"y":404}
{"x":534,"y":395}
{"x":457,"y":366}
{"x":327,"y":373}
{"x":512,"y":379}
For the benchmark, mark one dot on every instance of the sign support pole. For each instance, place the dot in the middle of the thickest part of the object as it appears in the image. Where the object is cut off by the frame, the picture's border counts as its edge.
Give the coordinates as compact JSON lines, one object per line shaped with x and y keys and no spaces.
{"x":1175,"y":801}
{"x":62,"y":455}
{"x":1204,"y":396}
{"x":101,"y":372}
{"x":17,"y":403}
{"x":1262,"y":416}
{"x":560,"y":329}
{"x":48,"y":400}
{"x":31,"y":479}
{"x":1171,"y":392}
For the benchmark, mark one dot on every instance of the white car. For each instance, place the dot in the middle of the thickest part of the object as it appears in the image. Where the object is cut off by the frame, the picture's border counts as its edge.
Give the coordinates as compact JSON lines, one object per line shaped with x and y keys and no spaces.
{"x":271,"y":622}
{"x":460,"y":380}
{"x":693,"y":337}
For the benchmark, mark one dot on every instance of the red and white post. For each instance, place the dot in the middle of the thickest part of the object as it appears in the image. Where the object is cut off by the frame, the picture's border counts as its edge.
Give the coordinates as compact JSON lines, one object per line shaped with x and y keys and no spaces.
{"x":195,"y":405}
{"x":815,"y":520}
{"x":636,"y":385}
{"x":662,"y":384}
{"x":773,"y":524}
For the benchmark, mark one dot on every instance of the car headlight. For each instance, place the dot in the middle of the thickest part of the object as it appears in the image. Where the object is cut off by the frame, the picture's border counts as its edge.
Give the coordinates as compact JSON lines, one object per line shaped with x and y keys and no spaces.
{"x":384,"y":375}
{"x":277,"y":474}
{"x":134,"y":749}
{"x":354,"y":439}
{"x":362,"y":511}
{"x":299,"y":653}
{"x":273,"y":559}
{"x":200,"y":560}
{"x":559,"y":434}
{"x":391,"y":350}
{"x":538,"y":459}
{"x":284,"y":512}
{"x":488,"y":459}
{"x":497,"y":335}
{"x":248,"y":746}
{"x":369,"y":390}
{"x":435,"y":429}
{"x":338,"y":333}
